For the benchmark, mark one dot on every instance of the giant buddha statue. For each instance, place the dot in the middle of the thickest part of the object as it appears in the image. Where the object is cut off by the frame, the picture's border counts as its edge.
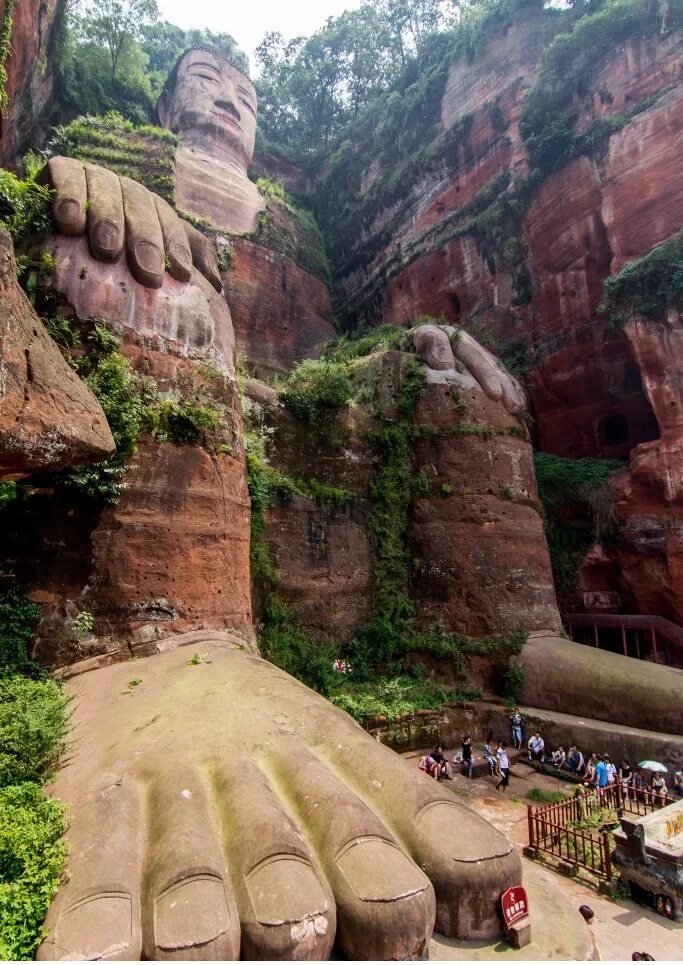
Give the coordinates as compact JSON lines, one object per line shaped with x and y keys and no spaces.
{"x":221,"y":808}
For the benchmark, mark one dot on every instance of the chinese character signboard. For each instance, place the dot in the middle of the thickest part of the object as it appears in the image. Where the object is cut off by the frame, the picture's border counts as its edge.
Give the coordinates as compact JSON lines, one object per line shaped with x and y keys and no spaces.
{"x":515,"y":905}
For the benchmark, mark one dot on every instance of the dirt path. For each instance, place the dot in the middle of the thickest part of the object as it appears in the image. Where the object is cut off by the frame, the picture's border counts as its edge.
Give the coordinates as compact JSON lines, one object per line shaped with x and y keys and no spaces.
{"x":621,"y":927}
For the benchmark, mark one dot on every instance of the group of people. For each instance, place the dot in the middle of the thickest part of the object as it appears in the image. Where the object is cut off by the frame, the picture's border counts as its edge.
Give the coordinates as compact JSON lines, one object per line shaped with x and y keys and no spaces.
{"x":436,"y":765}
{"x":599,"y":771}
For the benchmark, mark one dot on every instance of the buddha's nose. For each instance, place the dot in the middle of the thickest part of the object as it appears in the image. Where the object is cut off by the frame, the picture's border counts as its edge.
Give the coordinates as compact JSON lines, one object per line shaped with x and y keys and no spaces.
{"x":228,"y":104}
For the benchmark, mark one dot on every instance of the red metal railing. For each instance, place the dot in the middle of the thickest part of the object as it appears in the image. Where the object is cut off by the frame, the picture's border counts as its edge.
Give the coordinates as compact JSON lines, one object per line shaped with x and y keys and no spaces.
{"x":549,"y":829}
{"x":651,"y":637}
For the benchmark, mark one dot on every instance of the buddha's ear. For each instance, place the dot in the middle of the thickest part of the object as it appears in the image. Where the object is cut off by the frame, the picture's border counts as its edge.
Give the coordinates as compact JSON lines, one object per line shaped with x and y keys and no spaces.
{"x":163,"y":109}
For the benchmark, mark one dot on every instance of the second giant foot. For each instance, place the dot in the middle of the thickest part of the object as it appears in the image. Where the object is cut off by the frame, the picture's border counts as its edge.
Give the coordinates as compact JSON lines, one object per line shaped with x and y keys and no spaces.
{"x":222,"y":808}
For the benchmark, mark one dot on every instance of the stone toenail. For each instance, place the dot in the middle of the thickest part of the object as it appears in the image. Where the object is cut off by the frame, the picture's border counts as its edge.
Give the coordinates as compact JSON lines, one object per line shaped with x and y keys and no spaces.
{"x":98,"y":926}
{"x":69,"y":211}
{"x":191,"y":912}
{"x":149,"y":257}
{"x":285,"y":889}
{"x":376,"y":870}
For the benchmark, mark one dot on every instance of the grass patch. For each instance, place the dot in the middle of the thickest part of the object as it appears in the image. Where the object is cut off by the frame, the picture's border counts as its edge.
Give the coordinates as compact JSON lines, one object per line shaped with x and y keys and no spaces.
{"x":540,"y":796}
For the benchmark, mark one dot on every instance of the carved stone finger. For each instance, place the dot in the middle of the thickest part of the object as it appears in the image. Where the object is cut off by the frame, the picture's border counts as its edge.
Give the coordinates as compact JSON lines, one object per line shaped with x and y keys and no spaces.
{"x":67,"y":176}
{"x":144,"y":239}
{"x":204,"y":255}
{"x":106,"y":225}
{"x":176,"y":245}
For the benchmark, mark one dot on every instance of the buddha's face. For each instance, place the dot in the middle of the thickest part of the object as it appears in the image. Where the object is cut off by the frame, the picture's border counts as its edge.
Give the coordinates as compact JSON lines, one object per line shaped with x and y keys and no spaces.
{"x":215,"y":99}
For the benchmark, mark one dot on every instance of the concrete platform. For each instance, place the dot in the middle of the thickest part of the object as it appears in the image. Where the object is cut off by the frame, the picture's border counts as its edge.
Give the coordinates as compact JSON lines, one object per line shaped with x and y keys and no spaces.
{"x":558,"y":932}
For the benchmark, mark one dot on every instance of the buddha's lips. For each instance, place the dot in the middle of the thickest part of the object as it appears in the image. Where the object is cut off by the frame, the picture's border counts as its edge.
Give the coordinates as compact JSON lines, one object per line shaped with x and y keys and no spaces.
{"x":228,"y":116}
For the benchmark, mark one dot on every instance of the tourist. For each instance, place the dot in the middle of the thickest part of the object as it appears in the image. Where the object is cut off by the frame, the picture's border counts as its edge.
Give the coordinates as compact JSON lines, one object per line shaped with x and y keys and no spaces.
{"x":575,"y":761}
{"x":611,"y":770}
{"x":590,"y":770}
{"x":625,"y":776}
{"x":467,"y":756}
{"x":588,"y":915}
{"x":642,"y":957}
{"x":516,"y":724}
{"x":429,"y":766}
{"x":678,"y":783}
{"x":489,"y":755}
{"x":601,"y":775}
{"x":658,"y":787}
{"x":559,"y":757}
{"x":503,"y":766}
{"x":639,"y":785}
{"x":443,"y":767}
{"x":536,"y":746}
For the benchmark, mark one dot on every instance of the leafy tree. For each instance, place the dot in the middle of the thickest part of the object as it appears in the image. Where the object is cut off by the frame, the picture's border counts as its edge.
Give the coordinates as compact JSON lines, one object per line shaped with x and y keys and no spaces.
{"x":115,"y":23}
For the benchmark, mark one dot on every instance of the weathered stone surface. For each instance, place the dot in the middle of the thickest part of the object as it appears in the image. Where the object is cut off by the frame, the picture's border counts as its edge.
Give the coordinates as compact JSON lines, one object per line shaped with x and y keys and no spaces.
{"x":569,"y":677}
{"x":478,"y":536}
{"x":49,"y":419}
{"x":160,"y":765}
{"x":281,"y":313}
{"x":30,"y":73}
{"x":324,"y":564}
{"x":643,"y":563}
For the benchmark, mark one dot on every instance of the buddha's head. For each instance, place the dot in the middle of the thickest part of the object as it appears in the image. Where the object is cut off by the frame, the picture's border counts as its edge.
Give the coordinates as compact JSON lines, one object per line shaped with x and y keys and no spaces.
{"x":209,"y":101}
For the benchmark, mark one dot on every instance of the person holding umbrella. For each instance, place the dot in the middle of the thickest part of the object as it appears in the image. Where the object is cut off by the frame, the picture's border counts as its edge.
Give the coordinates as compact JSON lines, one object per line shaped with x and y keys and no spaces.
{"x":657,"y":782}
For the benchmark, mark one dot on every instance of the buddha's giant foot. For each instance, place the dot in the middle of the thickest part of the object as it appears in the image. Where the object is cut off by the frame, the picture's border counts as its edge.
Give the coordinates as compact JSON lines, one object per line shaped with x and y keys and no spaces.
{"x":220,"y":808}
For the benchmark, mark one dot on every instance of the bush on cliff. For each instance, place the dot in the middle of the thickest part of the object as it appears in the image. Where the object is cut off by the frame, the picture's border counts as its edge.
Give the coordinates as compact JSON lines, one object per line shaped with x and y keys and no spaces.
{"x":648,"y":286}
{"x":576,"y":499}
{"x":316,"y":388}
{"x":33,"y":726}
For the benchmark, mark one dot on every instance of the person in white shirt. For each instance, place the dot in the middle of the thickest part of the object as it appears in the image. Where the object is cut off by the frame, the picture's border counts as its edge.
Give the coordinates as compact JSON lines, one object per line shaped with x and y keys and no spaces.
{"x":536,"y":747}
{"x":503,"y":765}
{"x":611,"y":770}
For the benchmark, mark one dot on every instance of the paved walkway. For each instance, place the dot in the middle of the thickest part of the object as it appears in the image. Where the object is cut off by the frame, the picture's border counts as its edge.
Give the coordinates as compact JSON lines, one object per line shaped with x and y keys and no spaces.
{"x":621,"y":927}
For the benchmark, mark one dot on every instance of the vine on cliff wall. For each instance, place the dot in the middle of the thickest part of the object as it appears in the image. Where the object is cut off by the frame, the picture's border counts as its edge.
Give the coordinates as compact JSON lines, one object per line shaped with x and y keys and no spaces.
{"x":576,"y":498}
{"x":5,"y":49}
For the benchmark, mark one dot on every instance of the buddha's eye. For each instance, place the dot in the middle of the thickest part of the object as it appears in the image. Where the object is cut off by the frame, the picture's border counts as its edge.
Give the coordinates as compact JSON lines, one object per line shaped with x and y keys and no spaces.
{"x":248,"y":106}
{"x":206,"y":77}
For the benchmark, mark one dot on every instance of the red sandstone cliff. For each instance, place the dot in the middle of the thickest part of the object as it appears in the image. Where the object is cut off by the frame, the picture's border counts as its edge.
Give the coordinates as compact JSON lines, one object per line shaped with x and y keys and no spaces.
{"x":30,"y":72}
{"x":531,"y":277}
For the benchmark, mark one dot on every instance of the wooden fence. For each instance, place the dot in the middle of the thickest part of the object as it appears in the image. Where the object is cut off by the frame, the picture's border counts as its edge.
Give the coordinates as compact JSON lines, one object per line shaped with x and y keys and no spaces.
{"x":550,"y":831}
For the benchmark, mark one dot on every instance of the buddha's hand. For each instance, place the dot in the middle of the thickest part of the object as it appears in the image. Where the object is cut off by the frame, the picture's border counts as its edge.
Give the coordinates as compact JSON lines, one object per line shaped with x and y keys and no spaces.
{"x":219,"y":808}
{"x":118,"y":213}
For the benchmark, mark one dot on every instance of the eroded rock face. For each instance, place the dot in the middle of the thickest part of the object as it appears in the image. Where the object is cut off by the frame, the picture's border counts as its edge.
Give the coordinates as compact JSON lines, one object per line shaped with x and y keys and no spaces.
{"x":49,"y":419}
{"x":281,"y":313}
{"x":30,"y":73}
{"x":642,"y":567}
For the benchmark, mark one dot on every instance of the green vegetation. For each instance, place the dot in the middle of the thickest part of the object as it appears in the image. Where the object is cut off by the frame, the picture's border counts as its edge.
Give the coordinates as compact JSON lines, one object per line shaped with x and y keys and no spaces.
{"x":32,"y":856}
{"x":33,"y":725}
{"x":144,"y":153}
{"x":576,"y":498}
{"x":25,"y":207}
{"x":118,"y":55}
{"x":18,"y":621}
{"x":316,"y":388}
{"x":291,"y":230}
{"x":132,"y":404}
{"x":5,"y":47}
{"x":648,"y":286}
{"x":396,"y":697}
{"x":540,"y":796}
{"x":382,"y":682}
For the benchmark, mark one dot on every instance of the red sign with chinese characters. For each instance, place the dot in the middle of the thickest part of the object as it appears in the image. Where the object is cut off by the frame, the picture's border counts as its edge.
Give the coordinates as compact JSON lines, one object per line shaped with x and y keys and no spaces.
{"x":515,"y":905}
